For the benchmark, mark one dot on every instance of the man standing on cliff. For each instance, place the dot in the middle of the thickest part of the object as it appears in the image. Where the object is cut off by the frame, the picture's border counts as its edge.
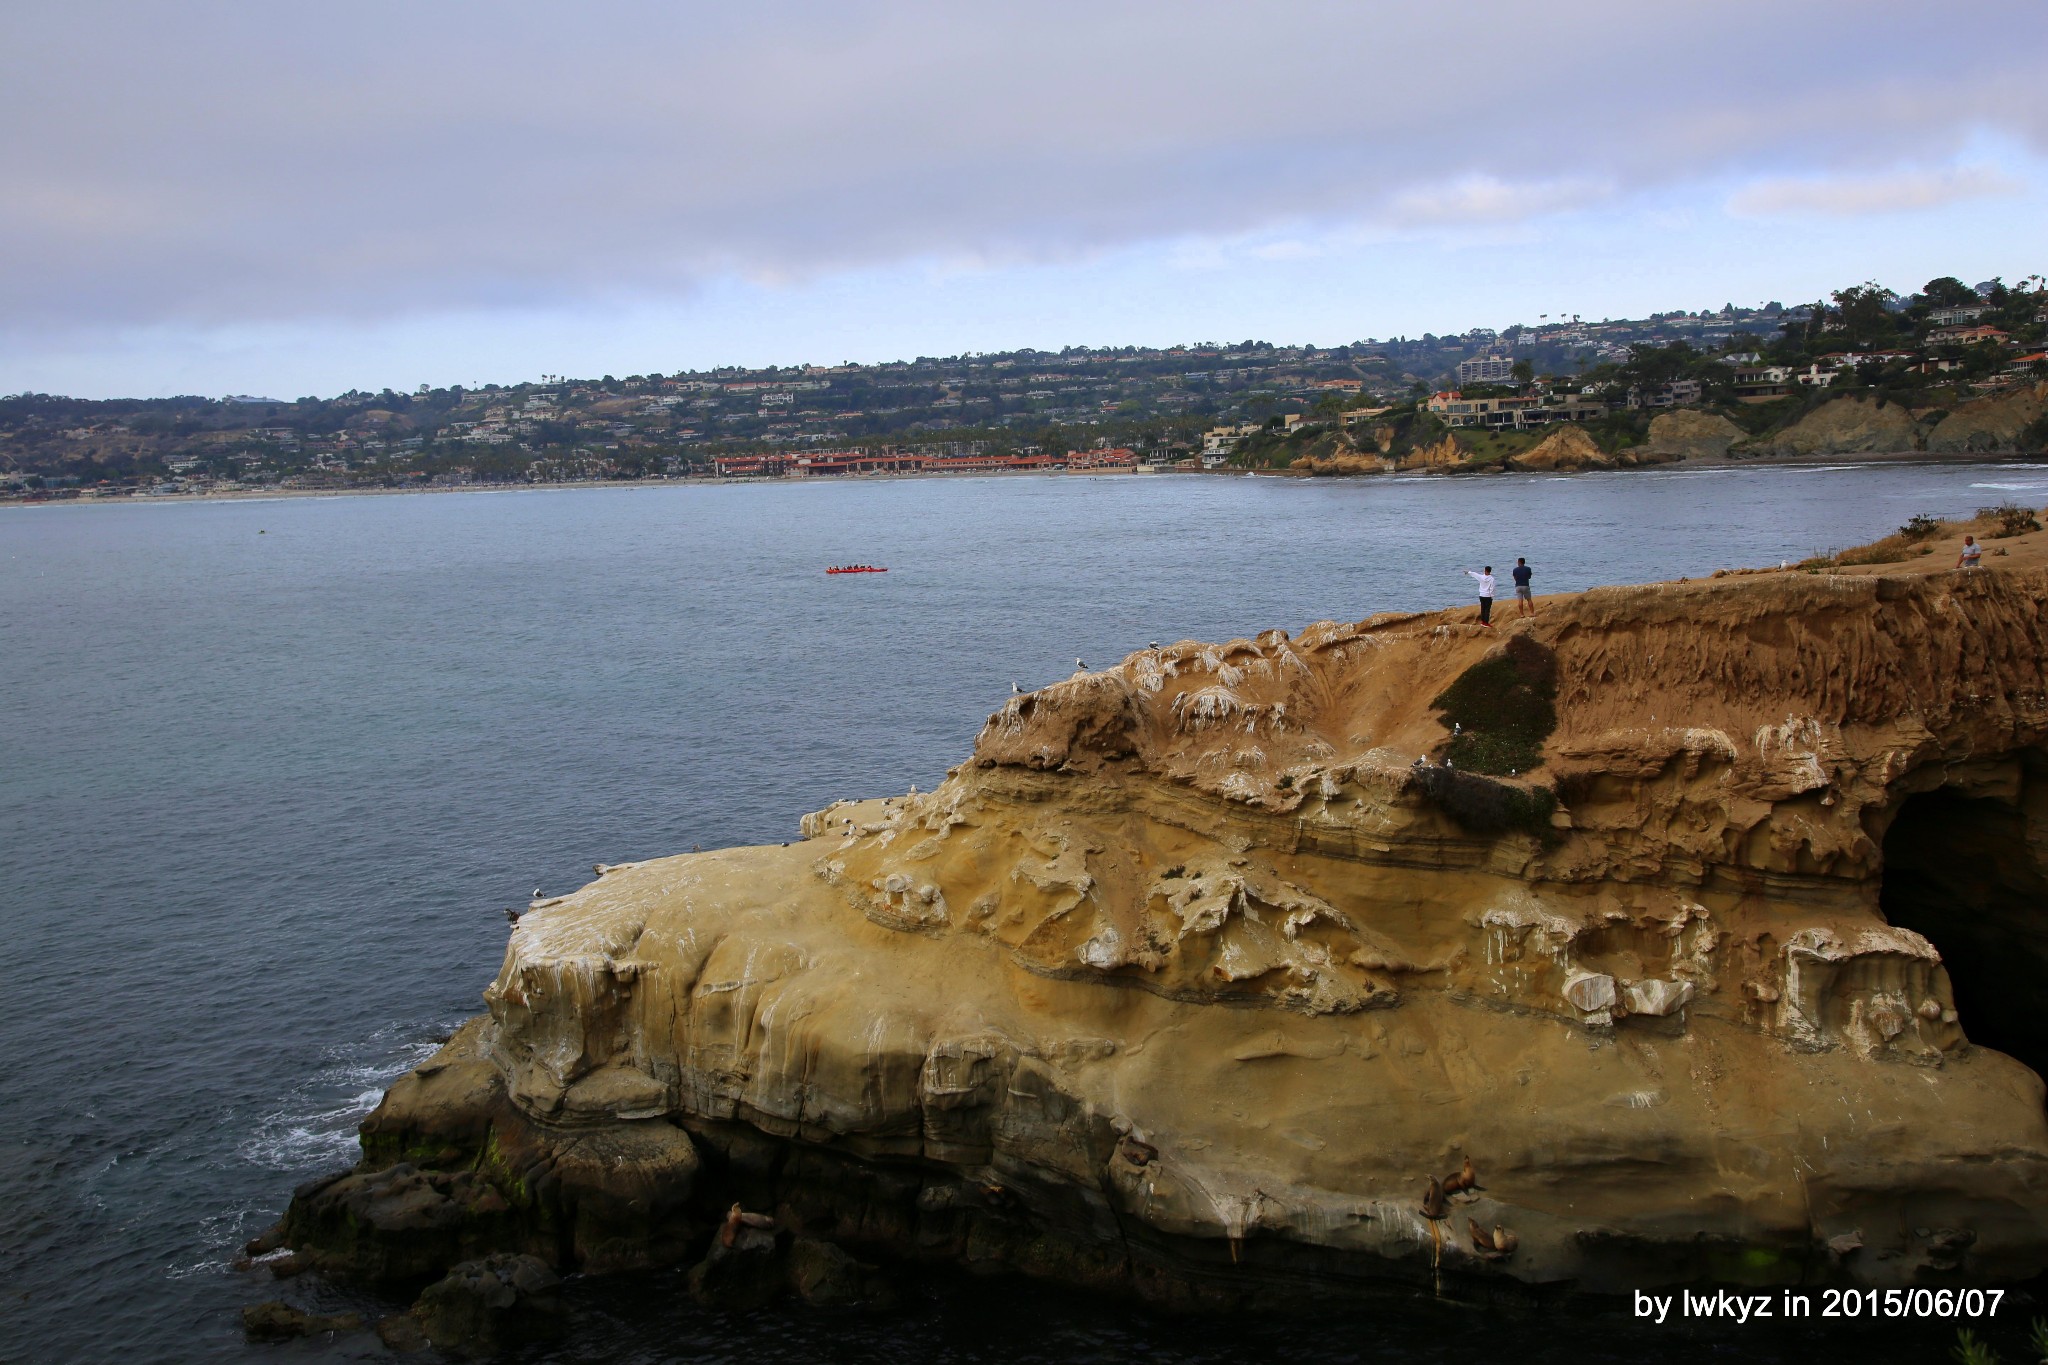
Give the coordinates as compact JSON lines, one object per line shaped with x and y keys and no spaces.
{"x":1524,"y":598}
{"x":1485,"y":578}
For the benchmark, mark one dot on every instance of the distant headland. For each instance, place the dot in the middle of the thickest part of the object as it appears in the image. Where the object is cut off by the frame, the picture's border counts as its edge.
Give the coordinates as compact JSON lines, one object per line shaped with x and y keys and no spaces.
{"x":1948,"y":370}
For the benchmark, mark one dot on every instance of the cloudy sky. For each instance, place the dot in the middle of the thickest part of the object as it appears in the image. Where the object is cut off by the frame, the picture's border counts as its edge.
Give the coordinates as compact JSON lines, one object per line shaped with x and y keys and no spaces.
{"x":224,"y":196}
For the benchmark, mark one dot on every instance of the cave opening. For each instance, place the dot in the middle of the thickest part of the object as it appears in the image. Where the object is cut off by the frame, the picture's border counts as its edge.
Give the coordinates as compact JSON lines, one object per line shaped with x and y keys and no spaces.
{"x":1961,"y":871}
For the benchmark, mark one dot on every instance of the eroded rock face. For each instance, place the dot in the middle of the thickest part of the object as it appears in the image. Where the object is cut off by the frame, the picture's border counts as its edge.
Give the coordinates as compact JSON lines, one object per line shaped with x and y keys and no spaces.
{"x":1568,"y":447}
{"x":1847,"y":426}
{"x":482,"y":1306}
{"x":1991,"y":425}
{"x":1690,"y":434}
{"x":1183,"y":984}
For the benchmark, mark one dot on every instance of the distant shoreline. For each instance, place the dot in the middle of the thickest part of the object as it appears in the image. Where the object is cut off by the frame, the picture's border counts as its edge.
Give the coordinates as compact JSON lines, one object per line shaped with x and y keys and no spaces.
{"x":1714,"y":462}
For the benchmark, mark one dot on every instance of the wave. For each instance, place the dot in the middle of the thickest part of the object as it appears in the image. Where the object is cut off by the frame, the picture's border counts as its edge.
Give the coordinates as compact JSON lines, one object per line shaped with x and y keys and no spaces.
{"x":316,"y":1125}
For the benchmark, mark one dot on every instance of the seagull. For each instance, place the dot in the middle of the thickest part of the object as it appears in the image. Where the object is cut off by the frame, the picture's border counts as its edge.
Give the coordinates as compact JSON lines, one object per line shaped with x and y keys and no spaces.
{"x":1079,"y":664}
{"x":1016,"y":688}
{"x":511,"y":915}
{"x":536,"y":893}
{"x":1151,"y":644}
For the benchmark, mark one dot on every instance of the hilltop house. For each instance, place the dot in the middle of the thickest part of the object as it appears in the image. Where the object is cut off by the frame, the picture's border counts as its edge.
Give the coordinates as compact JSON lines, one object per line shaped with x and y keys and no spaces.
{"x":1762,"y":383}
{"x":1514,"y":413}
{"x":1224,"y":440}
{"x":1959,"y":313}
{"x":1677,"y":393}
{"x":1844,"y":359}
{"x":1964,"y":336}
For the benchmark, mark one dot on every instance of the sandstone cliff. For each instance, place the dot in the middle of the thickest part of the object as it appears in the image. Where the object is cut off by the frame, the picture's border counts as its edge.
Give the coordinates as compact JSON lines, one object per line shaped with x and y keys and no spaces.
{"x":1845,"y":426}
{"x":1991,"y":425}
{"x":1200,"y":969}
{"x":1568,"y":447}
{"x":1446,"y":453}
{"x":1690,"y":434}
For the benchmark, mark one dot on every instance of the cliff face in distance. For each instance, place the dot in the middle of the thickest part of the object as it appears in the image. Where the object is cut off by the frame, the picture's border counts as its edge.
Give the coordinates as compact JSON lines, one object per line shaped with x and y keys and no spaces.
{"x":1200,"y":969}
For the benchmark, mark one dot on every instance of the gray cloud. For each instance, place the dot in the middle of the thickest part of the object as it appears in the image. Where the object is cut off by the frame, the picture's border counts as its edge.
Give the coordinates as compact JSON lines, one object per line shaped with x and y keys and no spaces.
{"x":225,"y":161}
{"x":1855,"y":195}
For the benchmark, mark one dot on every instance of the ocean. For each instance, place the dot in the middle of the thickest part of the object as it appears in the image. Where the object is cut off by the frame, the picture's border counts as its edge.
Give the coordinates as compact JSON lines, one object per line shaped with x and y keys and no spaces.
{"x":271,"y":770}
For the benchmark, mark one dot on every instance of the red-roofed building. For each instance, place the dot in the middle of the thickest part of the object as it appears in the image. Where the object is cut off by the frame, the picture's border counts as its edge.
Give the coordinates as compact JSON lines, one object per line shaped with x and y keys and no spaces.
{"x":1964,"y":336}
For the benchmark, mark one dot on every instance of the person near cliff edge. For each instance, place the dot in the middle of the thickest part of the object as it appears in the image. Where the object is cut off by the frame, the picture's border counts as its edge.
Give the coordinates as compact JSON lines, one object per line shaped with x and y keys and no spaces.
{"x":1524,"y":597}
{"x":1485,"y":578}
{"x":1972,"y":552}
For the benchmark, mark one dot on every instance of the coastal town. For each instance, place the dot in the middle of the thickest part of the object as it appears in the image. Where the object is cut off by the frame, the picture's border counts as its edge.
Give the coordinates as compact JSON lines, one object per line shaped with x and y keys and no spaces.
{"x":1483,"y":399}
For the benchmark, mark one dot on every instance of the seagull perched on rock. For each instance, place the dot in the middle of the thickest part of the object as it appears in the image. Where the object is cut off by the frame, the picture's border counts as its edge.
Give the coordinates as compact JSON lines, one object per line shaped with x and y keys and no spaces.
{"x":511,"y":915}
{"x":1151,"y":644}
{"x":536,"y":893}
{"x":1079,"y":664}
{"x":1016,"y":688}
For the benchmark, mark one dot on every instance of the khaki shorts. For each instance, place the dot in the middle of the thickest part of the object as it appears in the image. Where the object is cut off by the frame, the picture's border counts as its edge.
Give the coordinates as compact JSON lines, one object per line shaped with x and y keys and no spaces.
{"x":1525,"y":594}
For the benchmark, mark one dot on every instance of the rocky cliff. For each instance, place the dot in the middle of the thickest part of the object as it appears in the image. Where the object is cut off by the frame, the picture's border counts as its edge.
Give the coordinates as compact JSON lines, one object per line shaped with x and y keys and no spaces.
{"x":1212,"y":975}
{"x":1690,"y":434}
{"x":1846,"y":426}
{"x":1995,"y":424}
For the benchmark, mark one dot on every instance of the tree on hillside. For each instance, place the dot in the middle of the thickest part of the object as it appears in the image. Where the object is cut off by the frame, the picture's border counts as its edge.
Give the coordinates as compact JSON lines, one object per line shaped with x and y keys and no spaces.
{"x":1948,"y":292}
{"x":1650,"y":366}
{"x":1863,"y":314}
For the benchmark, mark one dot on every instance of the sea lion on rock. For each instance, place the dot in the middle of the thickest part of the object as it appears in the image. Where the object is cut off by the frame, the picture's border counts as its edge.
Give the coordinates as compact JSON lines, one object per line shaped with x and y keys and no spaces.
{"x":1433,"y":1200}
{"x":1463,"y":1179}
{"x":1500,"y":1243}
{"x":737,"y":1218}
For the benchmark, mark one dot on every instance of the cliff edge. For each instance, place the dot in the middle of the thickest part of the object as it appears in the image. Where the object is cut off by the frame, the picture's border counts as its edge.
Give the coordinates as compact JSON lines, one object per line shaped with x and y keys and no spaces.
{"x":1205,"y":974}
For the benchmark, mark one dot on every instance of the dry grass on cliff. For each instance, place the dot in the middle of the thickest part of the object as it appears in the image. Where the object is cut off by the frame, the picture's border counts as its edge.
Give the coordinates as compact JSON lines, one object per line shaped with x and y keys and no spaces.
{"x":1917,"y":538}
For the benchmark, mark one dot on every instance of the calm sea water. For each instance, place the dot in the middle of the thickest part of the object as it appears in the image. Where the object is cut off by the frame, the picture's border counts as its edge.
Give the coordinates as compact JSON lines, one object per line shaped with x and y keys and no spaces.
{"x":269,"y":771}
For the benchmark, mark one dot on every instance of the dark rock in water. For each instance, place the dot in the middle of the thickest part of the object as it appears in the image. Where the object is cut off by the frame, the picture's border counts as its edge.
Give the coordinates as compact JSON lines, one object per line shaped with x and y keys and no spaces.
{"x":287,"y":1266}
{"x":275,"y":1321}
{"x":401,"y":1332}
{"x":396,"y":1224}
{"x":484,"y":1305}
{"x":825,"y":1277}
{"x":265,"y":1242}
{"x":744,"y":1276}
{"x":453,"y":1169}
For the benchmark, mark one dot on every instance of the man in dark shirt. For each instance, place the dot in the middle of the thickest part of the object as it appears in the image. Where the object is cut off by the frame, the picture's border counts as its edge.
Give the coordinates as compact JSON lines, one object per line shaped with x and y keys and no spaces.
{"x":1523,"y":597}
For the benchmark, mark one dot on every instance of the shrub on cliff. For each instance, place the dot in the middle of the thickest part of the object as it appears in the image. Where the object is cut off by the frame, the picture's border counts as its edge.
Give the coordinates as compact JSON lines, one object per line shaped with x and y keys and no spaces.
{"x":1484,"y":806}
{"x":1502,"y":709}
{"x":2034,"y":440}
{"x":2013,"y":518}
{"x":1920,"y":526}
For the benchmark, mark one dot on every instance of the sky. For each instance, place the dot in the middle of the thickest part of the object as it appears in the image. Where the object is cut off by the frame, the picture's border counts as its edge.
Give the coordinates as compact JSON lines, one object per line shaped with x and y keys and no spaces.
{"x":222,"y":196}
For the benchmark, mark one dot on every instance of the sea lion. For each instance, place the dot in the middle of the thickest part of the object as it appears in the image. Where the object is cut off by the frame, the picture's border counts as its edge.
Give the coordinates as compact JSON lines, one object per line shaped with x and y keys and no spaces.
{"x":737,"y":1218}
{"x":1464,"y":1179}
{"x":1433,"y":1200}
{"x":1499,"y":1243}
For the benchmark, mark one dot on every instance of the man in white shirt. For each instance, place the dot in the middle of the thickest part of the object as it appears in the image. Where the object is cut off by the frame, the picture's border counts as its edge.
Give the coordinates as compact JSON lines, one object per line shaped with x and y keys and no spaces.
{"x":1485,"y":578}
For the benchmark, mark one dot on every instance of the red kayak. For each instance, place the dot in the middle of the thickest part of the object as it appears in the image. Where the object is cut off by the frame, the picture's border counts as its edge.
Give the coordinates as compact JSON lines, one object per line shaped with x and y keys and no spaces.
{"x":857,"y":568}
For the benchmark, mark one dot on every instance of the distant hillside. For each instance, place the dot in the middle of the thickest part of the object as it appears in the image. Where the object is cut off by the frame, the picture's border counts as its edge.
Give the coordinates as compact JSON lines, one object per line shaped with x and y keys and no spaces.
{"x":1479,"y":399}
